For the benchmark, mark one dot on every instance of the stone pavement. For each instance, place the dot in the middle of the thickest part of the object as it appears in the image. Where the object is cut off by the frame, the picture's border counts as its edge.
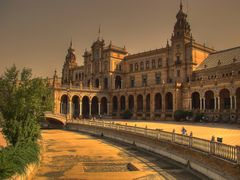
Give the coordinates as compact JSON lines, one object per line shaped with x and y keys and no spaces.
{"x":71,"y":155}
{"x":229,"y":132}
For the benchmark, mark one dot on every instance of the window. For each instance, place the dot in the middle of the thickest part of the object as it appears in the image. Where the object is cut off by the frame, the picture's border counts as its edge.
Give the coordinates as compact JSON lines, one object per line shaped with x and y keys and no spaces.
{"x":132,"y":81}
{"x":153,"y":64}
{"x":178,"y":73}
{"x":141,"y":66}
{"x":131,"y":67}
{"x":158,"y":78}
{"x":144,"y":80}
{"x":136,"y":67}
{"x":160,"y":62}
{"x":76,"y":76}
{"x":147,"y":65}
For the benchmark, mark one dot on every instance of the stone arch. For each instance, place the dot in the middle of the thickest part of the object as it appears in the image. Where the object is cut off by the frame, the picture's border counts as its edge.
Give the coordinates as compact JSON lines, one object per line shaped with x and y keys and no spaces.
{"x":122,"y":103}
{"x":140,"y":103}
{"x":158,"y":102}
{"x":196,"y":100}
{"x":94,"y":106}
{"x":238,"y":99}
{"x":75,"y":106}
{"x":209,"y":100}
{"x":85,"y":106}
{"x":104,"y":107}
{"x":64,"y":104}
{"x":224,"y":95}
{"x":148,"y":103}
{"x":169,"y":101}
{"x":115,"y":103}
{"x":97,"y":83}
{"x":118,"y":82}
{"x":131,"y":103}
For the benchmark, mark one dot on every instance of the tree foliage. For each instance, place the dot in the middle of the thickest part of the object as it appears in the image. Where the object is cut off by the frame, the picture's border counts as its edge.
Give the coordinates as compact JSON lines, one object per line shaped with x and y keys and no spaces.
{"x":23,"y":100}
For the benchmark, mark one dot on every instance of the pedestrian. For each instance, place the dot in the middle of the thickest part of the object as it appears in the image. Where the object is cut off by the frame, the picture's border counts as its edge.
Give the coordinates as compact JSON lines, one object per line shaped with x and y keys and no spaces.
{"x":183,"y":131}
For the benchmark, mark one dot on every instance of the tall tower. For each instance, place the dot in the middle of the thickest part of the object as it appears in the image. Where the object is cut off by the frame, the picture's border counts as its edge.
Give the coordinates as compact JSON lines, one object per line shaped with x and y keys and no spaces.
{"x":69,"y":64}
{"x":181,"y":37}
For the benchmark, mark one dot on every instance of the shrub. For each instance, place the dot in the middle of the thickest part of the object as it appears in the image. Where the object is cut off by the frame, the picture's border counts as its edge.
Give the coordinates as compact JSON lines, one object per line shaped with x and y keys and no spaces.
{"x":15,"y":159}
{"x":127,"y":114}
{"x":180,"y":115}
{"x":198,"y":117}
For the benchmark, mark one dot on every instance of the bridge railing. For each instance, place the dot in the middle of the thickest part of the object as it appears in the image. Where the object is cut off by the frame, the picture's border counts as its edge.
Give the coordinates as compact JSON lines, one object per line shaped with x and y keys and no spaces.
{"x":224,"y":151}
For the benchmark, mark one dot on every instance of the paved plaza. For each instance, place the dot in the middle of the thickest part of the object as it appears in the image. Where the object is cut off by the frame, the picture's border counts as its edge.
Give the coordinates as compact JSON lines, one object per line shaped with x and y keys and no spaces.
{"x":229,"y":132}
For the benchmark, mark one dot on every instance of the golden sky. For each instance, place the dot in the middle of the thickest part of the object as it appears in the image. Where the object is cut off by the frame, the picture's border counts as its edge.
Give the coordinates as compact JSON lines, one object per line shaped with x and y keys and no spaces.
{"x":36,"y":33}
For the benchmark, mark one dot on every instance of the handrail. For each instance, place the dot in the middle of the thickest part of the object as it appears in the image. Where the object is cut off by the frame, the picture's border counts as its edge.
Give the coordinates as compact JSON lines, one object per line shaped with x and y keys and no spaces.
{"x":221,"y":150}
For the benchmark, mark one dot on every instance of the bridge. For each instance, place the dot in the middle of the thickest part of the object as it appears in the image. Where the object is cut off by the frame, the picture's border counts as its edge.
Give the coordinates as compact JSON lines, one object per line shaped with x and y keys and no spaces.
{"x":56,"y":119}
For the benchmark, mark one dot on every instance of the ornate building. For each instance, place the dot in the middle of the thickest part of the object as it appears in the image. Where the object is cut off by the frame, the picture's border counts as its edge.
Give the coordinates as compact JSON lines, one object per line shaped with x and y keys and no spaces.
{"x":183,"y":75}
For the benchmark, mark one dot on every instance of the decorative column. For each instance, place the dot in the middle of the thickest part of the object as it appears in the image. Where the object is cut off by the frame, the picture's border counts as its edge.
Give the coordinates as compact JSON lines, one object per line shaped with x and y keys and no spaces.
{"x":90,"y":108}
{"x":108,"y":108}
{"x":80,"y":108}
{"x":70,"y":109}
{"x":219,"y":103}
{"x":203,"y":103}
{"x":215,"y":103}
{"x":99,"y":108}
{"x":231,"y":102}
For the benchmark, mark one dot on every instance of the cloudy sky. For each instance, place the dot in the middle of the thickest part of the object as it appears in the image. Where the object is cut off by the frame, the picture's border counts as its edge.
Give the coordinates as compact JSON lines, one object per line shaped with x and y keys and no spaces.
{"x":36,"y":33}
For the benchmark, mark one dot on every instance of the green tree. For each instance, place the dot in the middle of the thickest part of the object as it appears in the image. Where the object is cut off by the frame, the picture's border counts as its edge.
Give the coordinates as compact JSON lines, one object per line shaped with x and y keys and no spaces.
{"x":23,"y":100}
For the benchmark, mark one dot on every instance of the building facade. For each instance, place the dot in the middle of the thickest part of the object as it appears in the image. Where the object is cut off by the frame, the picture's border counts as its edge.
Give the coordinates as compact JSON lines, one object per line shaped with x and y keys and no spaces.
{"x":184,"y":75}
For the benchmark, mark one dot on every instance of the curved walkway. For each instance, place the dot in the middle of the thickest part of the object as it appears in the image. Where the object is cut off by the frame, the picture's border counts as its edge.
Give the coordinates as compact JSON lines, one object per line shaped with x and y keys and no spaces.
{"x":70,"y":155}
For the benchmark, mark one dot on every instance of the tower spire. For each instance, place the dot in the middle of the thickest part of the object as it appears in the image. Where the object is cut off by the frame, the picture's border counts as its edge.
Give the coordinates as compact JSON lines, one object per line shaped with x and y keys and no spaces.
{"x":71,"y":43}
{"x":99,"y":32}
{"x":181,"y":5}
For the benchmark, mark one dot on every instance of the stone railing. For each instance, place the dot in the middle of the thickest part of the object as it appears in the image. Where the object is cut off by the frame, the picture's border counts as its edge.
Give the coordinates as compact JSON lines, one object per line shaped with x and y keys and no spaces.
{"x":213,"y":148}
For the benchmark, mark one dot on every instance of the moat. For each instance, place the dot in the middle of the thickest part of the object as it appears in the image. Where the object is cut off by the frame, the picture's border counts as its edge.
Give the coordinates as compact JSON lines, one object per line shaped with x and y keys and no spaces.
{"x":71,"y":155}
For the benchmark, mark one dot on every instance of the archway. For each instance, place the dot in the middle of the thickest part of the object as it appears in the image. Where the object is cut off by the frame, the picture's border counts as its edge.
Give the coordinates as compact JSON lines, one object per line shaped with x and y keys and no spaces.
{"x":97,"y":83}
{"x":131,"y":103}
{"x":158,"y":102}
{"x":224,"y":99}
{"x":238,"y":99}
{"x":64,"y":106}
{"x":75,"y":106}
{"x":118,"y":82}
{"x":94,"y":106}
{"x":169,"y":101}
{"x":140,"y":103}
{"x":104,"y":107}
{"x":115,"y":103}
{"x":85,"y":107}
{"x":209,"y":100}
{"x":122,"y":103}
{"x":148,"y":100}
{"x":195,"y":100}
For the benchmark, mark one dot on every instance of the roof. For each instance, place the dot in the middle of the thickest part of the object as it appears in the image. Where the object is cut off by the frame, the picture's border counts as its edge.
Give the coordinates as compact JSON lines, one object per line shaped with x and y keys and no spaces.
{"x":221,"y":58}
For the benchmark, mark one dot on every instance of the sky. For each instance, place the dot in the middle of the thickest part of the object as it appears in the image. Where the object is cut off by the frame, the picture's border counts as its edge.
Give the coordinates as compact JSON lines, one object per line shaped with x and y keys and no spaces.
{"x":37,"y":33}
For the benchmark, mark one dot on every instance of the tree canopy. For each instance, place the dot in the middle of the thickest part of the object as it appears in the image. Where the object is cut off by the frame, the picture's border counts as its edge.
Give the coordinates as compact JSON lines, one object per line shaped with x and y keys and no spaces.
{"x":23,"y":100}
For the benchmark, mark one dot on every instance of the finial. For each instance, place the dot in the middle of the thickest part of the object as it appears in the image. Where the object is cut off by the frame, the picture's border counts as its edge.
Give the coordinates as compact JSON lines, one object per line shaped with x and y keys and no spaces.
{"x":71,"y":43}
{"x":181,"y":5}
{"x":99,"y":32}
